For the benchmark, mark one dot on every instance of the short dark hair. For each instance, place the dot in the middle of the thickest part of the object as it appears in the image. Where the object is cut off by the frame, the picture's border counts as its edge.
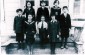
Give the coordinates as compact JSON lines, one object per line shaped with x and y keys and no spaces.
{"x":43,"y":2}
{"x":30,"y":14}
{"x":52,"y":15}
{"x":19,"y":10}
{"x":43,"y":16}
{"x":65,"y":7}
{"x":56,"y":1}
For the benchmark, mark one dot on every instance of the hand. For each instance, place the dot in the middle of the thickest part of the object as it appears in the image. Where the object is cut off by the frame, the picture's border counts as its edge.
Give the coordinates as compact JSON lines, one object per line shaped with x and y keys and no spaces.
{"x":57,"y":36}
{"x":56,"y":13}
{"x":59,"y":33}
{"x":48,"y":36}
{"x":69,"y":29}
{"x":33,"y":31}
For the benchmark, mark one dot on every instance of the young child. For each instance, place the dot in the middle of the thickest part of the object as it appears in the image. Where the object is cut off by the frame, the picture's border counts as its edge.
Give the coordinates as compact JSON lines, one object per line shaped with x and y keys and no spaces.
{"x":42,"y":27}
{"x":30,"y":31}
{"x":56,"y":9}
{"x":19,"y":27}
{"x":65,"y":26}
{"x":53,"y":29}
{"x":43,"y":11}
{"x":29,"y":10}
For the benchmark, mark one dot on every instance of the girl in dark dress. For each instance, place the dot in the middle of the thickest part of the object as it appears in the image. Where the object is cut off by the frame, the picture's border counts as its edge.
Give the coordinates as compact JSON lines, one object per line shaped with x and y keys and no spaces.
{"x":65,"y":26}
{"x":30,"y":31}
{"x":56,"y":9}
{"x":42,"y":11}
{"x":29,"y":10}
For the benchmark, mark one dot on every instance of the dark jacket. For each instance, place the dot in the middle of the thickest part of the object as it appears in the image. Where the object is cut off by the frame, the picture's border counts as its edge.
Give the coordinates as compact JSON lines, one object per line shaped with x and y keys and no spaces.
{"x":31,"y":11}
{"x":41,"y":12}
{"x":54,"y":10}
{"x":65,"y":24}
{"x":53,"y":30}
{"x":19,"y":24}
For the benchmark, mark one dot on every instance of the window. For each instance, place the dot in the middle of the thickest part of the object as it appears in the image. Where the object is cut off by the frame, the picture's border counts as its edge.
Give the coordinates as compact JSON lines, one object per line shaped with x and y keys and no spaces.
{"x":76,"y":7}
{"x":84,"y":6}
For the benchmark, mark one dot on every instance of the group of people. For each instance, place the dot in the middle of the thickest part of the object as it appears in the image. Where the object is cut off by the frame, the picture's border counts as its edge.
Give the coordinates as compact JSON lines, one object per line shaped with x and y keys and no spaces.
{"x":48,"y":26}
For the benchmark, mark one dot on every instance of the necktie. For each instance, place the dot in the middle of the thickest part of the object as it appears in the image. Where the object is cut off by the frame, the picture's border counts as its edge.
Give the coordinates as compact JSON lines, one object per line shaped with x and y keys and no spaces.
{"x":42,"y":26}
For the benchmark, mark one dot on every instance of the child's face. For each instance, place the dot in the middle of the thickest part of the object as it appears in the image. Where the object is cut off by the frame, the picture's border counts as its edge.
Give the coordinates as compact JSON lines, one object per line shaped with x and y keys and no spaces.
{"x":43,"y":4}
{"x":42,"y":18}
{"x":28,"y":4}
{"x":30,"y":17}
{"x":19,"y":13}
{"x":53,"y":17}
{"x":56,"y":4}
{"x":65,"y":10}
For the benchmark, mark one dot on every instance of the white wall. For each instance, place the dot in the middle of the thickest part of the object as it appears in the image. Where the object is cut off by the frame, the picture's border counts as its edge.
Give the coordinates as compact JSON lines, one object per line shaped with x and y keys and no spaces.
{"x":8,"y":13}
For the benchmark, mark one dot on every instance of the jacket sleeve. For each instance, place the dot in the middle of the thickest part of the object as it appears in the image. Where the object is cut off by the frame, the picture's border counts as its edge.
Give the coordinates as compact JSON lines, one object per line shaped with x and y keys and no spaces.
{"x":48,"y":28}
{"x":58,"y":28}
{"x":38,"y":14}
{"x":69,"y":22}
{"x":34,"y":14}
{"x":14,"y":26}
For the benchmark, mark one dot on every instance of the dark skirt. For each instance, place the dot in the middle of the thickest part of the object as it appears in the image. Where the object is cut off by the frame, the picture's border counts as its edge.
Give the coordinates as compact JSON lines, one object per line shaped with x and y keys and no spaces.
{"x":20,"y":37}
{"x":30,"y":38}
{"x":64,"y":32}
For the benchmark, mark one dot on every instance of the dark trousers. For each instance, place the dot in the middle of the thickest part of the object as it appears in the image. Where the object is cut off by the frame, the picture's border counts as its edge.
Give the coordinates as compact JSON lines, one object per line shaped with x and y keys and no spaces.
{"x":42,"y":36}
{"x":64,"y":41}
{"x":52,"y":47}
{"x":20,"y":37}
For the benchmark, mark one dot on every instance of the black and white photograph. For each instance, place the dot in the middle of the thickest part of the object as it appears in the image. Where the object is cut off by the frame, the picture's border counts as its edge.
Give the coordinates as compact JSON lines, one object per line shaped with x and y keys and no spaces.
{"x":42,"y":27}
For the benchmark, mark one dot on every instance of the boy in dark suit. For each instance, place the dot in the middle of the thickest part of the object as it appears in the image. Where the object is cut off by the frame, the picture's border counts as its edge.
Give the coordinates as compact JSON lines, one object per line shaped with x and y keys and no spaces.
{"x":53,"y":29}
{"x":65,"y":26}
{"x":19,"y":27}
{"x":42,"y":11}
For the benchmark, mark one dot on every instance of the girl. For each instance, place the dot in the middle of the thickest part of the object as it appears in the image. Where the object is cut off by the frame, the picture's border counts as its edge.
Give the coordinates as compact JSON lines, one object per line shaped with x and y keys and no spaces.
{"x":30,"y":31}
{"x":29,"y":10}
{"x":56,"y":9}
{"x":42,"y":27}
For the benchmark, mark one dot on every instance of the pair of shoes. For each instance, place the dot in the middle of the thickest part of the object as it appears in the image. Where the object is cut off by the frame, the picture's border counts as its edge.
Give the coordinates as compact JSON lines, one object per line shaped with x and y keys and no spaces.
{"x":30,"y":52}
{"x":66,"y":47}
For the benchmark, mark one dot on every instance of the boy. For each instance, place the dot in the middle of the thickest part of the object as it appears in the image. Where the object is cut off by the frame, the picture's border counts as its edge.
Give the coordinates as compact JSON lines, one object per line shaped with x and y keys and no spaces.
{"x":43,"y":11}
{"x":53,"y":32}
{"x":42,"y":27}
{"x":19,"y":27}
{"x":65,"y":26}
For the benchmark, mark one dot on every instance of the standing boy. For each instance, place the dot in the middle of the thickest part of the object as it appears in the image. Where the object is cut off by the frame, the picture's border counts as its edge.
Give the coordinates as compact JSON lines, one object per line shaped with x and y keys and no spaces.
{"x":65,"y":26}
{"x":19,"y":27}
{"x":53,"y":32}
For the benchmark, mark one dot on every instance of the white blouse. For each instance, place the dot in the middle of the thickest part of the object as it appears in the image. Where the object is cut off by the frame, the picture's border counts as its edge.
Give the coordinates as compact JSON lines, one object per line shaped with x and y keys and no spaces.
{"x":45,"y":25}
